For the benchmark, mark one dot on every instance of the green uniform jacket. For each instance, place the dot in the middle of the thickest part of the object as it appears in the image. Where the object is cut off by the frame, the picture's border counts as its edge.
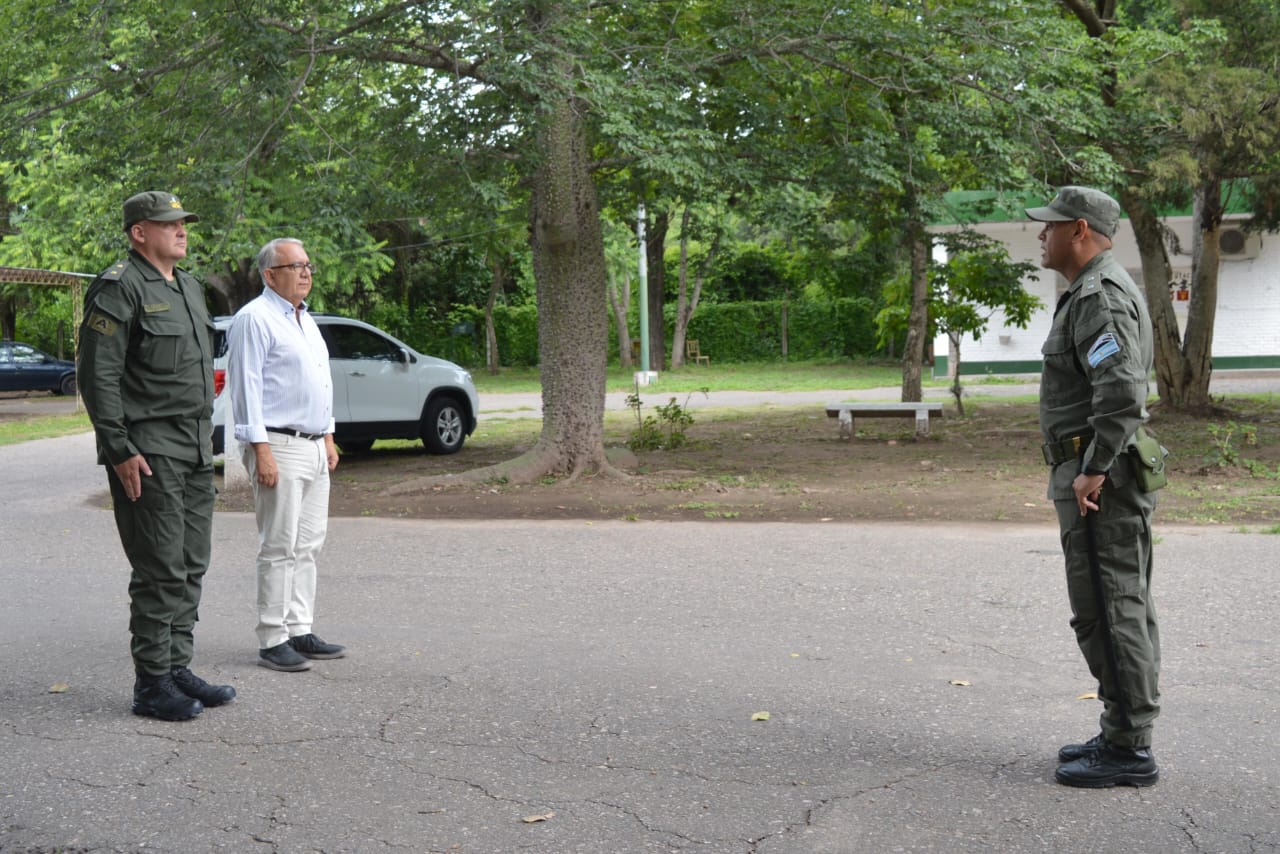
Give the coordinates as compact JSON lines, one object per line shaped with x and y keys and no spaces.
{"x":145,"y":364}
{"x":1097,"y":360}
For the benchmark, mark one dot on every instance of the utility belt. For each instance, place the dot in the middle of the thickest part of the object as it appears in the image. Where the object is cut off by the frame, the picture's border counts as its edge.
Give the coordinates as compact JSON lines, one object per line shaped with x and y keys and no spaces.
{"x":1066,"y":449}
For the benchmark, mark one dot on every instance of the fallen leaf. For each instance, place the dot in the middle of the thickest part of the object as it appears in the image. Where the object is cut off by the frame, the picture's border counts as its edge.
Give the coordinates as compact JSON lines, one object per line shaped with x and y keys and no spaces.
{"x":1092,"y":695}
{"x":963,"y":683}
{"x":59,"y":688}
{"x":530,"y":819}
{"x":760,"y":716}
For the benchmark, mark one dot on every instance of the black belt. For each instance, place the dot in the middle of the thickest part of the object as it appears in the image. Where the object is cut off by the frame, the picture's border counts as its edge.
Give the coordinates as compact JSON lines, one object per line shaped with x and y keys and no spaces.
{"x":289,"y":431}
{"x":1066,"y":449}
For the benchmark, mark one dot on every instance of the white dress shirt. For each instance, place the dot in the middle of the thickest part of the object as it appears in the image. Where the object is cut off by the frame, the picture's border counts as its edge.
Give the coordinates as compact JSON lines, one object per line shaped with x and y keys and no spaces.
{"x":277,"y":370}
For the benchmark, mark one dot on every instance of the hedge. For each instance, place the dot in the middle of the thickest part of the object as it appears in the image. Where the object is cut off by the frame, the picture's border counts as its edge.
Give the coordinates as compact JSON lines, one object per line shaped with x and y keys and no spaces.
{"x":728,"y":332}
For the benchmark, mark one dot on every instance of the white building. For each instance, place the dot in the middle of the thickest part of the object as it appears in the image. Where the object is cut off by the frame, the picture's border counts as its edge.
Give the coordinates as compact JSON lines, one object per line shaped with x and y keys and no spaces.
{"x":1247,"y":328}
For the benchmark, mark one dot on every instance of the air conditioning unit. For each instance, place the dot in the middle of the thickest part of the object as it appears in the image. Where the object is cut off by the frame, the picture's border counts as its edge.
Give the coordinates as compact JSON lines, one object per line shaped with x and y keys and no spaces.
{"x":1236,"y":244}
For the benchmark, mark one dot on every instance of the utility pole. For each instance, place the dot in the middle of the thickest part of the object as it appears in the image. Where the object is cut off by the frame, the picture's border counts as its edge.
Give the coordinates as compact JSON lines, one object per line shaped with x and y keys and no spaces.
{"x":644,"y":294}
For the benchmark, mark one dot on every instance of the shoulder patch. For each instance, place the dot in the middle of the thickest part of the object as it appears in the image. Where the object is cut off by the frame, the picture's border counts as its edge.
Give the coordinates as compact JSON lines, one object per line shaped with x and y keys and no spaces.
{"x":101,"y":324}
{"x":1103,"y":348}
{"x":115,"y":271}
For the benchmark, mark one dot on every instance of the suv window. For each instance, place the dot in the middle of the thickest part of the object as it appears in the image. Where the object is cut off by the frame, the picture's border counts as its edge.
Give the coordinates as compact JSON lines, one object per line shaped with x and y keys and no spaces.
{"x":352,"y":342}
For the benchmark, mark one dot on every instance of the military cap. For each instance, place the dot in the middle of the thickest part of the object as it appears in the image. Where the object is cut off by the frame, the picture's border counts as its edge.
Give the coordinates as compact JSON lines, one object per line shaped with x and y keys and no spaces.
{"x":1072,"y":203}
{"x":154,"y":205}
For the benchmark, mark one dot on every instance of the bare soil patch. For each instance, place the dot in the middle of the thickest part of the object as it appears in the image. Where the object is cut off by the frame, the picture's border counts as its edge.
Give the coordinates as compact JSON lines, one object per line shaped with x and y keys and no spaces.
{"x":788,"y":464}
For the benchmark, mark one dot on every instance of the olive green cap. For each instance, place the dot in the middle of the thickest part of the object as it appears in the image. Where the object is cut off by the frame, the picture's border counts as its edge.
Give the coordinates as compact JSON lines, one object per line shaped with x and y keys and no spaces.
{"x":155,"y":205}
{"x":1072,"y":203}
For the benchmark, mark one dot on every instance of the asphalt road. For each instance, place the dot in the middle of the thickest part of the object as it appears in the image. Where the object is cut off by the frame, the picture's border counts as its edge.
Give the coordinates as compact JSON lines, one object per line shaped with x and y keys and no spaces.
{"x":918,"y":680}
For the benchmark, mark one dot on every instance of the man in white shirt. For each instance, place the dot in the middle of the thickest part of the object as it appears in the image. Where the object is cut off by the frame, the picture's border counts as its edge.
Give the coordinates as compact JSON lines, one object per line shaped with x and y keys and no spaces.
{"x":282,"y":409}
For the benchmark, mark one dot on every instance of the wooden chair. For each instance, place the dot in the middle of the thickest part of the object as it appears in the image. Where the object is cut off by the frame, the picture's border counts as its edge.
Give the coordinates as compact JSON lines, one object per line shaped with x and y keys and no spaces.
{"x":693,"y":355}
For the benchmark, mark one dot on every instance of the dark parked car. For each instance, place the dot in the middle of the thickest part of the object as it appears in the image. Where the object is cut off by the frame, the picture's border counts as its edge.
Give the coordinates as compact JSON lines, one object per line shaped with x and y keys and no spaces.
{"x":24,"y":368}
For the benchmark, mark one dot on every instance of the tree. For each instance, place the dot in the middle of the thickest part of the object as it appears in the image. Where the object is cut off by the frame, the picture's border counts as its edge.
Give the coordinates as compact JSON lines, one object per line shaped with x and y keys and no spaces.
{"x":977,"y":280}
{"x":687,"y":297}
{"x":927,"y":103}
{"x":1199,"y":77}
{"x":99,"y":102}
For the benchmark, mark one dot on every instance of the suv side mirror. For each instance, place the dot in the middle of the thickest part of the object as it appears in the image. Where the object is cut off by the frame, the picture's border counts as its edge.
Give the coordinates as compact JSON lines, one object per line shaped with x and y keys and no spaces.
{"x":402,"y":355}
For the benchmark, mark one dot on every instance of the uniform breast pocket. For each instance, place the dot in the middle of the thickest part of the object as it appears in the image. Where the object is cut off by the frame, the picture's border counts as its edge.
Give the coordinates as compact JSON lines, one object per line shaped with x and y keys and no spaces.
{"x":166,"y":342}
{"x":1056,"y":344}
{"x":1059,"y":380}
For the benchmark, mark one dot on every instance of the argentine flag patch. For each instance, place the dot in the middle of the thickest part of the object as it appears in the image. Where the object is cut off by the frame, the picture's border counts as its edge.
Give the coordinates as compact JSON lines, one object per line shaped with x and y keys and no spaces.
{"x":1105,"y":347}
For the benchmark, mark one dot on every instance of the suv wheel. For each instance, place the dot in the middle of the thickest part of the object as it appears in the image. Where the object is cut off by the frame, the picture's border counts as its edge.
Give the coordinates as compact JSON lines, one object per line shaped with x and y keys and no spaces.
{"x":442,"y":426}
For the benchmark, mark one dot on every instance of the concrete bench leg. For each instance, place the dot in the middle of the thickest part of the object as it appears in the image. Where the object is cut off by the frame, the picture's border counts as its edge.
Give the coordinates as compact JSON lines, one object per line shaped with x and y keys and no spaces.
{"x":846,"y":424}
{"x":922,"y":422}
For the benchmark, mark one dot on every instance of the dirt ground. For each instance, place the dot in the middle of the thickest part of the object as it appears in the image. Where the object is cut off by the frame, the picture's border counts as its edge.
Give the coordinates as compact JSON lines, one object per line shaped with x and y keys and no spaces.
{"x":790,"y":465}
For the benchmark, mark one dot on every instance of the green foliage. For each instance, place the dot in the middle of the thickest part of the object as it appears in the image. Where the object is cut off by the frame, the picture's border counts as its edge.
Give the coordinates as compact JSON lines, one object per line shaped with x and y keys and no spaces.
{"x":666,"y":429}
{"x":748,"y":272}
{"x":1223,"y":438}
{"x":751,"y":331}
{"x":44,"y":318}
{"x":977,"y":280}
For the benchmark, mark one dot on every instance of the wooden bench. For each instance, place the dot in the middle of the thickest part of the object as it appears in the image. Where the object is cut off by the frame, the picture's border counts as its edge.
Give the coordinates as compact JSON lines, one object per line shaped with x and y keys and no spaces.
{"x":846,"y":412}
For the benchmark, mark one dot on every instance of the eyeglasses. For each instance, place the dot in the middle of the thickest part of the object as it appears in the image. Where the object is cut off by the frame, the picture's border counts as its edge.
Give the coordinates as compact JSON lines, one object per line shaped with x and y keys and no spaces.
{"x":297,"y":267}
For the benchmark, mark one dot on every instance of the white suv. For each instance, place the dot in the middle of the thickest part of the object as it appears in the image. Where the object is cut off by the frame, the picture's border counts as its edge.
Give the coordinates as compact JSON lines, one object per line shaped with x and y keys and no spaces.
{"x":382,"y":389}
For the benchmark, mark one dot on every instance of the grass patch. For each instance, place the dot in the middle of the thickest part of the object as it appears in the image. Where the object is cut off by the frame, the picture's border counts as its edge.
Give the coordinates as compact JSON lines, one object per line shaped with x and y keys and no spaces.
{"x":754,"y":376}
{"x":43,"y":427}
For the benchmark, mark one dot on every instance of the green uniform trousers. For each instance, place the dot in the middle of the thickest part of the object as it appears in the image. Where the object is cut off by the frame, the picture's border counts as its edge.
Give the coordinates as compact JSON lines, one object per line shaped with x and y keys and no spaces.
{"x":1128,"y":674}
{"x":166,"y":535}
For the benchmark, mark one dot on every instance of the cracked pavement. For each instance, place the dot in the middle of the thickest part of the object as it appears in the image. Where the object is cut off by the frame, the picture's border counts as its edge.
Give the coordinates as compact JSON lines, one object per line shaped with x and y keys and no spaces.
{"x":608,"y":674}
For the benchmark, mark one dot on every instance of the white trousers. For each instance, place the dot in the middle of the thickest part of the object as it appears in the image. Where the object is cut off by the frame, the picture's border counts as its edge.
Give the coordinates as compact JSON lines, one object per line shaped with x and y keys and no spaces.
{"x":293,"y":518}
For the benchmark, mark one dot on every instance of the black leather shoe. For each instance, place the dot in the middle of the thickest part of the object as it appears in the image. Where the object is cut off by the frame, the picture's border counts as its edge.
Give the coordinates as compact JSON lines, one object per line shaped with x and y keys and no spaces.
{"x":160,"y":697}
{"x":312,"y":647}
{"x":1110,"y":765}
{"x":1071,"y":752}
{"x":193,"y":686}
{"x":282,"y":657}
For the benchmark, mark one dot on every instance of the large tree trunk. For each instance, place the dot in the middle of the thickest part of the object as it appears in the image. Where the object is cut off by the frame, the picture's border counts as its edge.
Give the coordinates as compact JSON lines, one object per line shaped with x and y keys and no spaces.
{"x":913,"y":349}
{"x":567,"y":243}
{"x":1149,"y":235}
{"x":1202,"y":313}
{"x":656,"y":287}
{"x":568,"y":264}
{"x":1183,"y":366}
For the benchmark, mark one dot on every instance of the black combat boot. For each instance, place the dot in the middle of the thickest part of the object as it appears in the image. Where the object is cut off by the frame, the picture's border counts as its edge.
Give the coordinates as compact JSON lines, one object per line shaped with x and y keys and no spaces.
{"x":1071,"y":752}
{"x":193,"y":686}
{"x":160,"y":697}
{"x":1110,"y":765}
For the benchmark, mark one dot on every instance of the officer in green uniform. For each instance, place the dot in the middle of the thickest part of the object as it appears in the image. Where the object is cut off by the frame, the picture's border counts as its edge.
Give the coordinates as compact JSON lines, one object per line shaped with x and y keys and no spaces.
{"x":1093,"y":392}
{"x":146,"y":374}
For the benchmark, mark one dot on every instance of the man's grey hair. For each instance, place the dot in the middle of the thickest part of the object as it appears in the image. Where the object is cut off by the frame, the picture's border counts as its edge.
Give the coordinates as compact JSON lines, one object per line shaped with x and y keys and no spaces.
{"x":268,"y":255}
